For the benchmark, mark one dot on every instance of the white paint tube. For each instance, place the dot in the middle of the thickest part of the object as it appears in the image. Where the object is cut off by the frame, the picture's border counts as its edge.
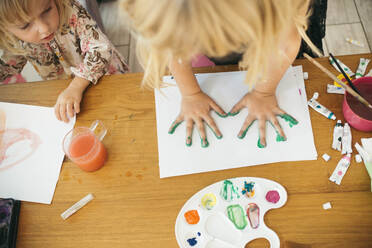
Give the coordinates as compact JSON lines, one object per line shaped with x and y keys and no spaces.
{"x":366,"y":157}
{"x":320,"y":108}
{"x":369,"y":74}
{"x":338,"y":132}
{"x":340,"y":170}
{"x":333,"y":89}
{"x":367,"y":144}
{"x":343,"y":66}
{"x":363,"y":63}
{"x":346,"y":140}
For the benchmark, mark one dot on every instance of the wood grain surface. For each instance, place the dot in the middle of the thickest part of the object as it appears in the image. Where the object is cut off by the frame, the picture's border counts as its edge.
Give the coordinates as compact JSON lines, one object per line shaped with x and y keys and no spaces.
{"x":134,"y":208}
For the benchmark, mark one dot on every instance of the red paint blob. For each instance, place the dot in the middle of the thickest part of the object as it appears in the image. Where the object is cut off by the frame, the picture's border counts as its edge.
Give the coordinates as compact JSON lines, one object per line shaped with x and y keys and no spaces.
{"x":272,"y":196}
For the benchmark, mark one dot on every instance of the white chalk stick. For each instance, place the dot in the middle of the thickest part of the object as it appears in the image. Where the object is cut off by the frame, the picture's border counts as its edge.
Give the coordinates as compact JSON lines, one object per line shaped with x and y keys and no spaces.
{"x":306,"y":76}
{"x":77,"y":206}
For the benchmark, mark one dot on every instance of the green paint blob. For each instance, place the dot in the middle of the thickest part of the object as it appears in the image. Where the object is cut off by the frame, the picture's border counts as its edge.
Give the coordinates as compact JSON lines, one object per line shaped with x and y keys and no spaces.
{"x":259,"y":145}
{"x":174,"y":126}
{"x":233,"y":114}
{"x":237,"y":216}
{"x":221,"y":115}
{"x":189,"y":141}
{"x":291,"y":121}
{"x":229,"y":191}
{"x":204,"y":143}
{"x":279,"y":138}
{"x":246,"y":130}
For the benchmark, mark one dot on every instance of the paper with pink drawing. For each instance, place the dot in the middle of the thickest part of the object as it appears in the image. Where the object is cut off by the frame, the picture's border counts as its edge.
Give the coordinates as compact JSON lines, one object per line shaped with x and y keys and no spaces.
{"x":31,"y":152}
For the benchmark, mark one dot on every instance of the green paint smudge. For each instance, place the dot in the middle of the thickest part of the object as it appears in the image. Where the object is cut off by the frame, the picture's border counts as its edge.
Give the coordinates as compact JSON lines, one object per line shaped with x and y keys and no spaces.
{"x":228,"y":191}
{"x":204,"y":143}
{"x":279,"y":138}
{"x":221,"y":115}
{"x":174,"y":126}
{"x":233,"y":114}
{"x":245,"y":131}
{"x":237,"y":216}
{"x":259,"y":145}
{"x":291,"y":121}
{"x":189,"y":141}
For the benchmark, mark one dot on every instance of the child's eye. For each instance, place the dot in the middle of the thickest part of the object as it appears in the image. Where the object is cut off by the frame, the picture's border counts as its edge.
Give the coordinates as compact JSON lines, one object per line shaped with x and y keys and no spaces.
{"x":25,"y":26}
{"x":48,"y":9}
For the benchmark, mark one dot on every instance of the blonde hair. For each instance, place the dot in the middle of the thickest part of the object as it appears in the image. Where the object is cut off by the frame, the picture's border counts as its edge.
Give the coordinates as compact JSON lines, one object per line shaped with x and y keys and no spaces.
{"x":17,"y":11}
{"x":180,"y":29}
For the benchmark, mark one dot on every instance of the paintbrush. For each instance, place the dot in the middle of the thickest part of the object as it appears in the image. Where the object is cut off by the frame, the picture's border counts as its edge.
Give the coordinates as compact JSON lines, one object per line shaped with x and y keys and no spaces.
{"x":343,"y":73}
{"x":345,"y":86}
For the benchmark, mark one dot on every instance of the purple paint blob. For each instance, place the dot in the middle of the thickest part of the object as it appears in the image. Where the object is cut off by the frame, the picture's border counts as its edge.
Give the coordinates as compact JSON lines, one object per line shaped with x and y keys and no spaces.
{"x":272,"y":196}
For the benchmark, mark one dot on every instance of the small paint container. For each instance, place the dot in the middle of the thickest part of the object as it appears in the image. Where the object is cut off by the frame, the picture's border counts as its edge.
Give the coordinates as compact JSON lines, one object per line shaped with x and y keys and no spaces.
{"x":357,"y":114}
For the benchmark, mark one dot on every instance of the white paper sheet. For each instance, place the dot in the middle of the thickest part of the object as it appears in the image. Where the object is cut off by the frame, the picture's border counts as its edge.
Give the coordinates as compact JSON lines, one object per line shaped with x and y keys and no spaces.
{"x":35,"y":177}
{"x":226,"y":88}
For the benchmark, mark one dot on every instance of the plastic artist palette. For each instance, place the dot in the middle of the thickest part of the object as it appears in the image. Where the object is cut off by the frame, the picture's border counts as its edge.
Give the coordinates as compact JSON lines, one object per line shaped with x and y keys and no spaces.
{"x":229,"y":214}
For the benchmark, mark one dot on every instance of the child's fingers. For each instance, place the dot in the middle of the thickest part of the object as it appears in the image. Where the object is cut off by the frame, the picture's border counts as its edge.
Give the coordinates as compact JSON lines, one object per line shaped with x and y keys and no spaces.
{"x":274,"y":121}
{"x":70,"y":109}
{"x":56,"y":112}
{"x":235,"y":110}
{"x":189,"y":128}
{"x":262,"y":131}
{"x":218,"y":109}
{"x":62,"y":112}
{"x":77,"y":107}
{"x":175,"y":124}
{"x":246,"y":125}
{"x":212,"y":125}
{"x":200,"y":125}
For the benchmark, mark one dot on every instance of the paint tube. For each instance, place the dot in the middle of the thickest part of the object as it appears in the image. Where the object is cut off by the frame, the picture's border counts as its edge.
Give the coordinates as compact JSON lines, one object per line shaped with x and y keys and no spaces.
{"x":340,"y":170}
{"x":333,"y":89}
{"x":346,"y":140}
{"x":343,"y":66}
{"x":369,"y":74}
{"x":342,"y":78}
{"x":337,"y":136}
{"x":354,"y":42}
{"x":320,"y":108}
{"x":365,"y":155}
{"x":362,"y":67}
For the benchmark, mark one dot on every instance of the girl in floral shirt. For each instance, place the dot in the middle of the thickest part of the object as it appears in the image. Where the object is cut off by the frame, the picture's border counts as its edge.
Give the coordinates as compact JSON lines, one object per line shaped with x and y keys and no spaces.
{"x":61,"y":41}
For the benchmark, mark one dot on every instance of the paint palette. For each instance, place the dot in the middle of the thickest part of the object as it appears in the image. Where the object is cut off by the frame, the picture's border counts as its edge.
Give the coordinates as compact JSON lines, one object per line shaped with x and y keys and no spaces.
{"x":229,"y":214}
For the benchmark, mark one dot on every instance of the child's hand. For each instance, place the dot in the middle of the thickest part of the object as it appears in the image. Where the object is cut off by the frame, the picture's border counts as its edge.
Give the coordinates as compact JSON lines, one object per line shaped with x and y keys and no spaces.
{"x":195,"y":110}
{"x":262,"y":107}
{"x":68,"y":102}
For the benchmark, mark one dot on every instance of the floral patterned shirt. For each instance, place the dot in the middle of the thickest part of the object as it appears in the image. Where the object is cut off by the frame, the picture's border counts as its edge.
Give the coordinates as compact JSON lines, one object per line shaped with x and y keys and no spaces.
{"x":79,"y":48}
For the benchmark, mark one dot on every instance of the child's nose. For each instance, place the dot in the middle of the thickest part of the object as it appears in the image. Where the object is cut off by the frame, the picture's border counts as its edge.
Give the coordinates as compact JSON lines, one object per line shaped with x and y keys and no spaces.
{"x":43,"y":28}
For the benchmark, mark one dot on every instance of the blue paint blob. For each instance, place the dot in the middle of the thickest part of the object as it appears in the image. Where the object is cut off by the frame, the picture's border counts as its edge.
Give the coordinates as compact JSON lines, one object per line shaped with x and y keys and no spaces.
{"x":192,"y":241}
{"x":199,"y":234}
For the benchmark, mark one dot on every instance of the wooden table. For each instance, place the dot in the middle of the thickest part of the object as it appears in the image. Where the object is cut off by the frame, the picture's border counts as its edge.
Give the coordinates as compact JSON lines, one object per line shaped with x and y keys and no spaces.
{"x":134,"y":208}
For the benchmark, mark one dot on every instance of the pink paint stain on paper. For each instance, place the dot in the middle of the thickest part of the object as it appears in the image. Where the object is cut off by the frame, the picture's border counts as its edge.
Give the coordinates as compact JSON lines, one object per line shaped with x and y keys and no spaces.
{"x":10,"y":137}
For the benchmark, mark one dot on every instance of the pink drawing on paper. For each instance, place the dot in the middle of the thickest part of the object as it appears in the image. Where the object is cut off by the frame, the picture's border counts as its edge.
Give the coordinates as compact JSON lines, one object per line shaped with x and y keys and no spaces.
{"x":25,"y":141}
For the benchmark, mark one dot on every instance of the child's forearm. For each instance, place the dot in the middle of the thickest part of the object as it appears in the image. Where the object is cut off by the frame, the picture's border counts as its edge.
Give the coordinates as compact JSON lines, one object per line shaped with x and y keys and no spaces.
{"x":279,"y":64}
{"x":186,"y":81}
{"x":79,"y":84}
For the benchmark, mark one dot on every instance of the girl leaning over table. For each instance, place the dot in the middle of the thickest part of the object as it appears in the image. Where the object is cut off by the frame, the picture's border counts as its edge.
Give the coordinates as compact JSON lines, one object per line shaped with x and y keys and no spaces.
{"x":264,"y":35}
{"x":61,"y":40}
